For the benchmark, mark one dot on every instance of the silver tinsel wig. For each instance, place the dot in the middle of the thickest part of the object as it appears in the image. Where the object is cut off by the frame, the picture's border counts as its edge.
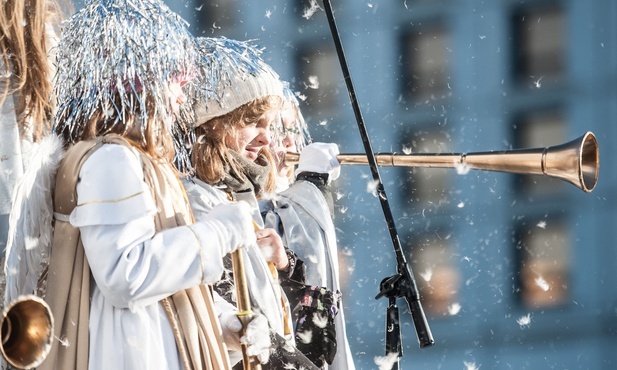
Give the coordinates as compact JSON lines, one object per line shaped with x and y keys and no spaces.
{"x":117,"y":57}
{"x":232,"y":73}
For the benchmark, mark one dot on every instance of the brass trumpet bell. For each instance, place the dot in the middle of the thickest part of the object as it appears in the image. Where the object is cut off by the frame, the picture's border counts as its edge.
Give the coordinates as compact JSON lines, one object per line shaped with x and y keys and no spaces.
{"x":27,"y":330}
{"x":576,"y":162}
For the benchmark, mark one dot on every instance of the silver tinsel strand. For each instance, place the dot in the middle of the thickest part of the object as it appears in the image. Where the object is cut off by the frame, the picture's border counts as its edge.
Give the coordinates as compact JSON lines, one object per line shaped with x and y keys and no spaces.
{"x":300,"y":129}
{"x":112,"y":55}
{"x":225,"y":61}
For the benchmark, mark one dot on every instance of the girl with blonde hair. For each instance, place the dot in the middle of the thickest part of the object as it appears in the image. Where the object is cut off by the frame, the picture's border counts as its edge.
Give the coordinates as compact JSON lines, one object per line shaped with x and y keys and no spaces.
{"x":236,"y":101}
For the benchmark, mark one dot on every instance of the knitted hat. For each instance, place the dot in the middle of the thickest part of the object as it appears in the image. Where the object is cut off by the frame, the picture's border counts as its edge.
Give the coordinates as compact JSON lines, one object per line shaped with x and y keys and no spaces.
{"x":118,"y":57}
{"x":232,"y":74}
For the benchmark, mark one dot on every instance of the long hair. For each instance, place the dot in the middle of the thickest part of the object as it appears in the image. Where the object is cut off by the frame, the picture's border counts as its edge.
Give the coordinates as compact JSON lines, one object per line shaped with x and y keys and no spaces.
{"x":211,"y":157}
{"x":24,"y":47}
{"x":155,"y":138}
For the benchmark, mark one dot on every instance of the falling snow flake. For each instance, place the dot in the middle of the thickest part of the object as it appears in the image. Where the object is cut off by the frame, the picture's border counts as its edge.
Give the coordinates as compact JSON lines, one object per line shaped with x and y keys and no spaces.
{"x":461,"y":168}
{"x":313,"y":82}
{"x":471,"y":366}
{"x":454,"y":309}
{"x":371,"y":187}
{"x":427,"y":275}
{"x":543,"y":284}
{"x":524,"y":321}
{"x":312,"y":9}
{"x":386,"y":362}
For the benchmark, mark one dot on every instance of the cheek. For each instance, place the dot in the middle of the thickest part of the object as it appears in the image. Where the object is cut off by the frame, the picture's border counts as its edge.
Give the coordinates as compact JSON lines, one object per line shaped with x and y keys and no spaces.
{"x":243,"y":137}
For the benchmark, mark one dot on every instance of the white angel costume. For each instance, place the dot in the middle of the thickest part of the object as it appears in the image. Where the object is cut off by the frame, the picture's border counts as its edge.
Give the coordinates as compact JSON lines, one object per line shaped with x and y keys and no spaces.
{"x":303,"y":215}
{"x":134,"y":267}
{"x":135,"y":264}
{"x":265,"y":293}
{"x":16,"y":146}
{"x":14,"y":153}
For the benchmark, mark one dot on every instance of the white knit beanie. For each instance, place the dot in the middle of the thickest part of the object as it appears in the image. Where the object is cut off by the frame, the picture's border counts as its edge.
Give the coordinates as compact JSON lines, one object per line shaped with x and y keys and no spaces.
{"x":233,"y":74}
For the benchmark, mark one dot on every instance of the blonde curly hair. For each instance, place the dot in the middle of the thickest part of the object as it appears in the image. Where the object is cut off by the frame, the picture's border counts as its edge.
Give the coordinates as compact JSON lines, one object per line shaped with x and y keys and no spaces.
{"x":211,"y":157}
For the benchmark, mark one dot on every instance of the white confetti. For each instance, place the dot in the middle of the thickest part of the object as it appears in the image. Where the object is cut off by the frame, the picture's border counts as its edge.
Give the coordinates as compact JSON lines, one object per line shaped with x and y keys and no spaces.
{"x":524,"y":321}
{"x":313,"y":82}
{"x":543,"y":284}
{"x":386,"y":362}
{"x":454,"y":309}
{"x":312,"y":9}
{"x":427,"y":275}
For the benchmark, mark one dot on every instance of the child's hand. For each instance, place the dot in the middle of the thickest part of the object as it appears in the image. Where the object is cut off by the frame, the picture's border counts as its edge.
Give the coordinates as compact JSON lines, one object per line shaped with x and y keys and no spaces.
{"x":272,"y":248}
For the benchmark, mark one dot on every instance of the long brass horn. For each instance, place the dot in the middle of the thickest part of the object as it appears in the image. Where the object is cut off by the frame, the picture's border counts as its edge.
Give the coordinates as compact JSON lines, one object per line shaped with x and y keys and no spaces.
{"x":27,"y":330}
{"x":576,"y":162}
{"x":243,"y":299}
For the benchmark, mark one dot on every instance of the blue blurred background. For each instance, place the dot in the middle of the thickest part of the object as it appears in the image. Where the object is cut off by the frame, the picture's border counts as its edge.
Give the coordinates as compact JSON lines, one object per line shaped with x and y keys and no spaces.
{"x":515,"y":271}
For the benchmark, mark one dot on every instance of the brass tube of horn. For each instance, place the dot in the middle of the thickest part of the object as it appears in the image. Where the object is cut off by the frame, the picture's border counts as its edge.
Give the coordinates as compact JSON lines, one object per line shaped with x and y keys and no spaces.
{"x":243,"y":300}
{"x":27,"y":331}
{"x":576,"y":162}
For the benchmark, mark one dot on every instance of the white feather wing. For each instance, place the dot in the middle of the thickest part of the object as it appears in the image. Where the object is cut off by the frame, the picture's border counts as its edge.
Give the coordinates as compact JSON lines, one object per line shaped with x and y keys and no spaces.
{"x":30,"y":222}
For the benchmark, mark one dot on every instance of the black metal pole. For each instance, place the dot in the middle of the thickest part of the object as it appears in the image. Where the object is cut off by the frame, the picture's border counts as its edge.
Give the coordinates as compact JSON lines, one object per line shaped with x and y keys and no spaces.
{"x":403,"y":284}
{"x":393,"y":332}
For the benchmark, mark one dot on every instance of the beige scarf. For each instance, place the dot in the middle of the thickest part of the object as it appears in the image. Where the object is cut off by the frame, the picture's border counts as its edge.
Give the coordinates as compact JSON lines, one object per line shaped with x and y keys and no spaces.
{"x":191,"y":312}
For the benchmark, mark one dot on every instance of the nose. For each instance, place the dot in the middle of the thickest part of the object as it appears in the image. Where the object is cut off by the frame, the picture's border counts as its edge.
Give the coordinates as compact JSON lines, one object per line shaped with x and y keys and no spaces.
{"x":264,"y":137}
{"x":288,"y":142}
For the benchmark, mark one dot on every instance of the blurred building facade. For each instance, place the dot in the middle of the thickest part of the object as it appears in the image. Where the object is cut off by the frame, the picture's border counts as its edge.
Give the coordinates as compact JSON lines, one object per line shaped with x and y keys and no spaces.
{"x":515,"y":271}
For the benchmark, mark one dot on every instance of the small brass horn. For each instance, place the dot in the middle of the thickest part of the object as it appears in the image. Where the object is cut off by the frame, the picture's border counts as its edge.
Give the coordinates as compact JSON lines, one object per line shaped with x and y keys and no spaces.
{"x":27,"y":330}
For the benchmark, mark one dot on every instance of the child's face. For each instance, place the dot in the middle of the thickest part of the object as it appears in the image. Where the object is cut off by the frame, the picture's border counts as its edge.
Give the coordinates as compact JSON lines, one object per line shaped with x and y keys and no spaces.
{"x":288,"y":116}
{"x":251,"y":139}
{"x":288,"y":141}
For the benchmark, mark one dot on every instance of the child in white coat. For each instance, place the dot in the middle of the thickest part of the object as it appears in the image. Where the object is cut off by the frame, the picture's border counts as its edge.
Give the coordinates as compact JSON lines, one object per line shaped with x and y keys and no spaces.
{"x":236,"y":103}
{"x":302,"y":212}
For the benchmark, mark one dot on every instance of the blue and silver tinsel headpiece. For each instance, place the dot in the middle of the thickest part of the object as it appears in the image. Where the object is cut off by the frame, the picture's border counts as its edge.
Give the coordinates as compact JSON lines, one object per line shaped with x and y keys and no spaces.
{"x":114,"y":56}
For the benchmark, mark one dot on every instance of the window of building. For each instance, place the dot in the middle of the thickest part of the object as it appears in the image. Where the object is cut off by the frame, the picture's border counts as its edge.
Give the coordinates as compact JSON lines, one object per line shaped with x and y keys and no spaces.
{"x":540,"y":129}
{"x":320,"y":76}
{"x":425,"y":186}
{"x":539,"y":45}
{"x":436,"y":274}
{"x":425,"y":61}
{"x":215,"y":17}
{"x":544,"y":262}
